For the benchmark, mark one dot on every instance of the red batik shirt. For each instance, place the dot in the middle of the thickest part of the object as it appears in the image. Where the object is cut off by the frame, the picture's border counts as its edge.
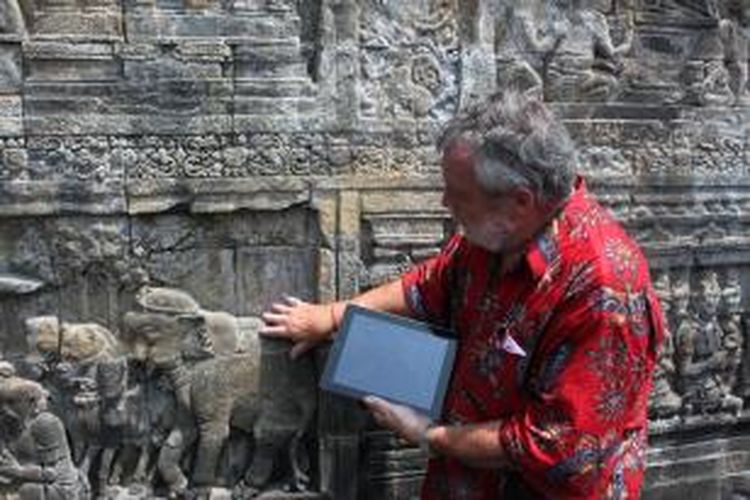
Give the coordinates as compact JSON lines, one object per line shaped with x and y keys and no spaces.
{"x":560,"y":351}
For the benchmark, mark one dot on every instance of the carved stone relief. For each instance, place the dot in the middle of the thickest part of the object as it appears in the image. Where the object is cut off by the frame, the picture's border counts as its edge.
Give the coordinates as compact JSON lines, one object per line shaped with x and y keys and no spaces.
{"x":676,"y":52}
{"x":75,"y":19}
{"x":13,"y":160}
{"x":216,"y":388}
{"x":735,"y":37}
{"x":570,"y":50}
{"x":35,"y":459}
{"x":133,"y":404}
{"x":385,"y":23}
{"x":698,"y":366}
{"x":172,"y":144}
{"x":406,"y":83}
{"x":408,"y":59}
{"x":150,"y":403}
{"x":664,"y":401}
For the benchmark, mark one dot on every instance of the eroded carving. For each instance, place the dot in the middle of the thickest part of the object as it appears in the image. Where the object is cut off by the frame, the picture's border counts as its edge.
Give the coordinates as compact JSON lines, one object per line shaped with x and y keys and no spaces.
{"x":407,"y":83}
{"x":217,"y":388}
{"x":707,"y":83}
{"x":734,"y":28}
{"x":12,"y":19}
{"x":63,"y":252}
{"x":731,"y":324}
{"x":45,"y":469}
{"x":664,"y":402}
{"x":87,"y":374}
{"x":570,"y":50}
{"x":700,"y":353}
{"x":388,"y":23}
{"x":156,"y":404}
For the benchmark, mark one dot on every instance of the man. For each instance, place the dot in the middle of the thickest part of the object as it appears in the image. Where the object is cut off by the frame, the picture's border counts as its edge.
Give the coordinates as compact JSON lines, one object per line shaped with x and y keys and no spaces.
{"x":557,"y":321}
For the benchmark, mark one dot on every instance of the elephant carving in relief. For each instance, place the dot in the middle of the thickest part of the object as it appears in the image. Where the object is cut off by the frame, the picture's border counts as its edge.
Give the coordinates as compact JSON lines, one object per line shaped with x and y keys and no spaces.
{"x":217,"y":387}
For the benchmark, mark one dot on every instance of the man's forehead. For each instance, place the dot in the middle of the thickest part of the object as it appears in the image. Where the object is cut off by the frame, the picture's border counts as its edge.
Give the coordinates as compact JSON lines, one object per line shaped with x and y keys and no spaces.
{"x":458,"y":146}
{"x":458,"y":168}
{"x":458,"y":153}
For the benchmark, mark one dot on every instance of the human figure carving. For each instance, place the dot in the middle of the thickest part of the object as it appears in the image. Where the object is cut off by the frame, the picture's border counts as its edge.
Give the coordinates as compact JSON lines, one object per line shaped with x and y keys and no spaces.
{"x":52,"y":474}
{"x":731,"y":324}
{"x":701,"y":358}
{"x":577,"y":56}
{"x":734,"y":29}
{"x":664,"y":401}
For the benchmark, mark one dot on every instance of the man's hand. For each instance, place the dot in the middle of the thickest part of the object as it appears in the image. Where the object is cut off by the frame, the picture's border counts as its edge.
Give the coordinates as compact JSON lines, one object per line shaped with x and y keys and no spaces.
{"x":303,"y":323}
{"x":404,"y":421}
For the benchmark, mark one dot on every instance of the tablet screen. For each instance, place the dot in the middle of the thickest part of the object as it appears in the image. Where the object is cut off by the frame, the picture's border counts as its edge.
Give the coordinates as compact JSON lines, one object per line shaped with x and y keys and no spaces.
{"x":399,"y":359}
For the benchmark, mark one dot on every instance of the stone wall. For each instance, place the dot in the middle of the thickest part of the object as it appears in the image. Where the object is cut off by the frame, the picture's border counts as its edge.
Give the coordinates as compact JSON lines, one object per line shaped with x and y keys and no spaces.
{"x":170,"y":167}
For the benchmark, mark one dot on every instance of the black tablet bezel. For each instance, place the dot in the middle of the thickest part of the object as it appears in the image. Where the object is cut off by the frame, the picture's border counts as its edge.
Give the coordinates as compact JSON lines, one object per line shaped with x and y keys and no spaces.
{"x":417,"y":327}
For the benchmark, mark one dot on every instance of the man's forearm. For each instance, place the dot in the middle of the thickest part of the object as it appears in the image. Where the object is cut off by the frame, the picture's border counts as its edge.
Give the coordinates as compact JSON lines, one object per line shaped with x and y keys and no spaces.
{"x":476,"y":445}
{"x":388,"y":298}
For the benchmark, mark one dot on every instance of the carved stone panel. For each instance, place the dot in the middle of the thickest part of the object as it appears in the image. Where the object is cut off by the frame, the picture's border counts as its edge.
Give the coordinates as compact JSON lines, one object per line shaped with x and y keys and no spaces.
{"x":169,"y":168}
{"x":149,"y":378}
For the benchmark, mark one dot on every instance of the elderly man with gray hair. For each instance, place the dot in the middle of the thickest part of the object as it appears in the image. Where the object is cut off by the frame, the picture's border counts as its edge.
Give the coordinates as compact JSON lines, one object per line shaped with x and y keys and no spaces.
{"x":557,"y":321}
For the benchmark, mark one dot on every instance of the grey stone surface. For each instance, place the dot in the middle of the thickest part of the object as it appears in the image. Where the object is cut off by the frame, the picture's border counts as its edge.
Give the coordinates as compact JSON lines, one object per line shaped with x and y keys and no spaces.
{"x":243,"y":149}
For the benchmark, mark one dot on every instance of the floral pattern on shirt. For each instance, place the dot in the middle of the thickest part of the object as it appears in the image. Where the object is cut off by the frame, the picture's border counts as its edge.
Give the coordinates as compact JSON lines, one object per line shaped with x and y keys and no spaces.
{"x":581,"y":307}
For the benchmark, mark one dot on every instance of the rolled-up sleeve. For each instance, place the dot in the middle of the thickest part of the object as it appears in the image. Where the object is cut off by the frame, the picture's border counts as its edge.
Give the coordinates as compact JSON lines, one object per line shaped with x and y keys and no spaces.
{"x":427,"y":285}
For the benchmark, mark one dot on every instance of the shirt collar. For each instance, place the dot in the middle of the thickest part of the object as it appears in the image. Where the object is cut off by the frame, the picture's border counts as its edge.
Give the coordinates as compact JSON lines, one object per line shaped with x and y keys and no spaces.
{"x":544,"y":250}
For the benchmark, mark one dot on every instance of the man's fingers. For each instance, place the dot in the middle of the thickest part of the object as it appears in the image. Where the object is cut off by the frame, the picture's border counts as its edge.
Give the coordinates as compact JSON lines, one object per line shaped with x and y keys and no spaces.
{"x":380,"y":408}
{"x":280,"y":307}
{"x":380,"y":404}
{"x":374,"y":401}
{"x":377,"y":411}
{"x":279,"y":323}
{"x":270,"y":317}
{"x":293,"y":300}
{"x":273,"y":331}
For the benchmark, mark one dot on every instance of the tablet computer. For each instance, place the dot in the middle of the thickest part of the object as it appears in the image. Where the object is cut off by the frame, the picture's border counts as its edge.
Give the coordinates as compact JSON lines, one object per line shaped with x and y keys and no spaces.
{"x":396,"y":358}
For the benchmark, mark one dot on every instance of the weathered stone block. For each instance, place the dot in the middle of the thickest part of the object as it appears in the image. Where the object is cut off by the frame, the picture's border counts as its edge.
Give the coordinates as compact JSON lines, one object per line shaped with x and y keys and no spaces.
{"x":265,"y":274}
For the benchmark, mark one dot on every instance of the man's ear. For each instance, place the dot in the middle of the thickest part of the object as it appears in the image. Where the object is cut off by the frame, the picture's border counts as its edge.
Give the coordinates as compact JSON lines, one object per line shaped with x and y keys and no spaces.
{"x":524,"y":199}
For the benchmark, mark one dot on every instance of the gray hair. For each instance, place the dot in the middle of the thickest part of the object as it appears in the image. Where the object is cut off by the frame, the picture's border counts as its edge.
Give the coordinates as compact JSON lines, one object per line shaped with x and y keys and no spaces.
{"x":516,"y":142}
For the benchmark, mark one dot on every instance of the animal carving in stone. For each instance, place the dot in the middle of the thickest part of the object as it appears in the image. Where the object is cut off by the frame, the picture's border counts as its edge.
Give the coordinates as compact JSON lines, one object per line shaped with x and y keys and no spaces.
{"x":89,"y":376}
{"x":218,"y":386}
{"x":70,"y":342}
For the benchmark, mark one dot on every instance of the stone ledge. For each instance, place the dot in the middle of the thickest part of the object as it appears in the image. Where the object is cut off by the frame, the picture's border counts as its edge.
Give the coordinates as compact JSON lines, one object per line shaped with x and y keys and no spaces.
{"x":27,"y":198}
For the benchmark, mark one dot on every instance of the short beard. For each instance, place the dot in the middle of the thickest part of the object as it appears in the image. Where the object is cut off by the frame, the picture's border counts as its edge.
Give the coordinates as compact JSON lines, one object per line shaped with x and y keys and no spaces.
{"x":488,"y":236}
